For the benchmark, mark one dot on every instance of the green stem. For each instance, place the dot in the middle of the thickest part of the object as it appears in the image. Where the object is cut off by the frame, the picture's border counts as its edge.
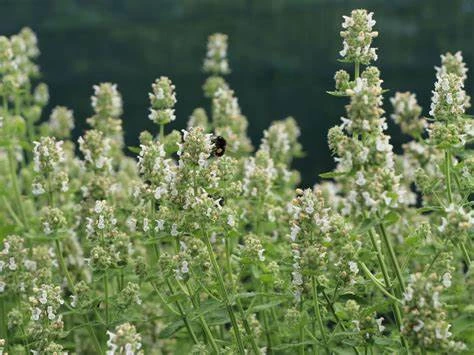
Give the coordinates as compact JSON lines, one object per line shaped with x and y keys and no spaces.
{"x":392,"y":256}
{"x":162,"y":299}
{"x":16,"y":188}
{"x":225,"y":296}
{"x":447,"y":166}
{"x":184,"y":317}
{"x":240,"y":308}
{"x":467,"y":258}
{"x":301,"y":329}
{"x":356,"y":70}
{"x":447,"y":163}
{"x":93,"y":336}
{"x":388,"y":286}
{"x":432,"y":262}
{"x":65,"y":272}
{"x":378,"y":284}
{"x":31,"y":137}
{"x":162,"y":133}
{"x":204,"y":324}
{"x":25,"y":336}
{"x":62,"y":265}
{"x":106,"y":300}
{"x":268,"y":333}
{"x":3,"y":324}
{"x":333,"y":311}
{"x":317,"y":311}
{"x":12,"y":212}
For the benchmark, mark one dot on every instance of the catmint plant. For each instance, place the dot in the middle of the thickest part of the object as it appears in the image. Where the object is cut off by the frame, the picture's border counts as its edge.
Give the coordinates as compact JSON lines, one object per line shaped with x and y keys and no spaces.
{"x":201,"y":241}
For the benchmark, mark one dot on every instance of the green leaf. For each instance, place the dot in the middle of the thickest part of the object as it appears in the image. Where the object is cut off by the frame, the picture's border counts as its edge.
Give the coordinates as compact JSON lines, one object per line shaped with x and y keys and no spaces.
{"x":463,"y":324}
{"x":367,"y":224}
{"x":207,"y":307}
{"x":332,"y":174}
{"x":218,"y":318}
{"x":245,"y":295}
{"x":294,"y":345}
{"x":429,"y":209}
{"x":135,"y":150}
{"x":267,"y":305}
{"x":171,"y":329}
{"x":391,"y":218}
{"x":337,"y":93}
{"x":177,"y":297}
{"x":6,"y":229}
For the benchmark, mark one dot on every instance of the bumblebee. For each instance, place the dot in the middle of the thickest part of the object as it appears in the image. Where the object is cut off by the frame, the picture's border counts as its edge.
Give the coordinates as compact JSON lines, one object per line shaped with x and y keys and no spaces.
{"x":219,"y":146}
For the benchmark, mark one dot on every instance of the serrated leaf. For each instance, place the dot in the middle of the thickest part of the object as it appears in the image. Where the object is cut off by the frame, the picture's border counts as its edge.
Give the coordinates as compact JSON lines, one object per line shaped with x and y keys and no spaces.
{"x":207,"y":307}
{"x":177,"y":297}
{"x":367,"y":224}
{"x":171,"y":329}
{"x":391,"y":218}
{"x":332,"y":174}
{"x":267,"y":305}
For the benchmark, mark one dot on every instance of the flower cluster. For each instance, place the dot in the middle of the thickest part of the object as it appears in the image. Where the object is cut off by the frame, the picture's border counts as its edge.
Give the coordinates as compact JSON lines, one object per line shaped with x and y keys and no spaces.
{"x":162,"y":100}
{"x":48,"y":158}
{"x":216,"y":56}
{"x":61,"y":122}
{"x":358,"y":35}
{"x":406,"y":113}
{"x":46,"y":323}
{"x":425,"y":323}
{"x":124,"y":341}
{"x":229,"y":122}
{"x":449,"y":97}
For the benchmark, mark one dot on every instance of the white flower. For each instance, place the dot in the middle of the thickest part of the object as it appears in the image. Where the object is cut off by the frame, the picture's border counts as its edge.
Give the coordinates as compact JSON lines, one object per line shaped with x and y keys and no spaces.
{"x":435,"y":299}
{"x":159,"y":192}
{"x":132,"y":224}
{"x":419,"y":326}
{"x":12,"y":264}
{"x":99,"y":206}
{"x":447,"y":279}
{"x":43,"y":298}
{"x":443,"y":333}
{"x":360,"y":179}
{"x":37,"y":189}
{"x":184,"y":267}
{"x":101,"y":222}
{"x":230,"y":220}
{"x":294,"y":232}
{"x":73,"y":301}
{"x":297,"y":278}
{"x":160,"y":225}
{"x":379,"y":324}
{"x":353,"y":267}
{"x":382,"y":144}
{"x":47,"y":228}
{"x":35,"y":313}
{"x":51,"y":315}
{"x":174,"y":230}
{"x":408,"y":294}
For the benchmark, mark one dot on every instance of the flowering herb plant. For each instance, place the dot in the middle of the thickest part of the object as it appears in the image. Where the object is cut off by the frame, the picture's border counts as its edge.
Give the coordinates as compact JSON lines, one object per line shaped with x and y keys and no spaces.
{"x":197,"y":242}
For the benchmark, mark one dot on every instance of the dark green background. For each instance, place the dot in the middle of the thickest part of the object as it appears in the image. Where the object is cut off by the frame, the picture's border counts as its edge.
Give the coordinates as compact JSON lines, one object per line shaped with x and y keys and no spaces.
{"x":283,"y":54}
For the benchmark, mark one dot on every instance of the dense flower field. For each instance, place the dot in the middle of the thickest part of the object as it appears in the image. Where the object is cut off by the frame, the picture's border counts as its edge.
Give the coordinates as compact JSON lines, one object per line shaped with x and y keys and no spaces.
{"x":197,"y":242}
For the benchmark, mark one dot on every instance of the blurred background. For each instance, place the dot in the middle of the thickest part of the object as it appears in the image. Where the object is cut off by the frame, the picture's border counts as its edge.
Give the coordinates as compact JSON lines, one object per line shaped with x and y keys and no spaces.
{"x":283,"y":55}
